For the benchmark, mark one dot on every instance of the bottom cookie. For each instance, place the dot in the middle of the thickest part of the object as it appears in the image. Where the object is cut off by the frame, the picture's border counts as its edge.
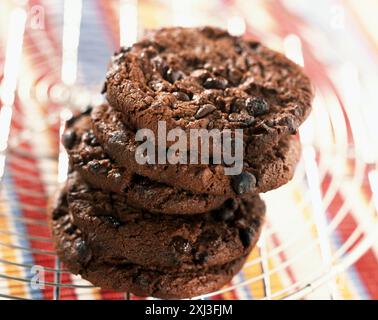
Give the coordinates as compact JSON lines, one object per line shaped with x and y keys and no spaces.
{"x":170,"y":285}
{"x":171,"y":282}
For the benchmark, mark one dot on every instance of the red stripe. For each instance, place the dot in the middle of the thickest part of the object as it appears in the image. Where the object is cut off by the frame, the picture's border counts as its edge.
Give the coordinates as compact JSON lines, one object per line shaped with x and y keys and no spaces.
{"x":367,"y":265}
{"x":19,"y":174}
{"x":283,"y":258}
{"x":37,"y":58}
{"x":44,"y":70}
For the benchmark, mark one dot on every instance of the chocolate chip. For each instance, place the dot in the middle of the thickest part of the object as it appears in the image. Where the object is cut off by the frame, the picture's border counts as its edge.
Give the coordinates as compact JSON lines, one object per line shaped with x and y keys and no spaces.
{"x":257,"y":106}
{"x":245,"y":236}
{"x":201,"y":257}
{"x":104,"y":87}
{"x":213,"y":33}
{"x":123,"y":49}
{"x":231,"y":204}
{"x":204,"y":111}
{"x":90,"y":139}
{"x":113,"y":221}
{"x":69,"y":229}
{"x":215,"y":83}
{"x":254,"y":44}
{"x":117,"y":57}
{"x":68,"y":139}
{"x":181,"y":245}
{"x":221,"y":103}
{"x":83,"y":251}
{"x":174,"y":75}
{"x":160,"y":65}
{"x":242,"y":117}
{"x":96,"y":167}
{"x":86,"y":110}
{"x":225,"y":214}
{"x":243,"y":183}
{"x":58,"y":212}
{"x":181,"y":96}
{"x":71,"y":121}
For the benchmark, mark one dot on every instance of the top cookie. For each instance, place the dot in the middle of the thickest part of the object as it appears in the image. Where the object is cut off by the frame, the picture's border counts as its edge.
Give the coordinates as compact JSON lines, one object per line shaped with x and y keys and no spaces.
{"x":206,"y":78}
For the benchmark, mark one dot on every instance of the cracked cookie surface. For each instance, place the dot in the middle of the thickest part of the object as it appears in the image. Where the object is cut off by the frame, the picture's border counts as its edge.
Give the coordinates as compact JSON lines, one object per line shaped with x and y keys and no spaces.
{"x":206,"y":78}
{"x":88,"y":158}
{"x":269,"y":171}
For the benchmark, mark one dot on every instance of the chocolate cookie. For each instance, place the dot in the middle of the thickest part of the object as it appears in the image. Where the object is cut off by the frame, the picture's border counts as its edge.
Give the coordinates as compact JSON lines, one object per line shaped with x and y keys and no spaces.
{"x":118,"y":233}
{"x":270,"y":170}
{"x":89,"y":159}
{"x":145,"y":282}
{"x":77,"y":254}
{"x":206,"y":78}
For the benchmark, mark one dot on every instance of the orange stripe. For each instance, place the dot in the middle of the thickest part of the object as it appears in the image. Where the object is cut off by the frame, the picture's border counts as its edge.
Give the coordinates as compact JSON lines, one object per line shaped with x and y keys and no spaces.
{"x":15,"y":288}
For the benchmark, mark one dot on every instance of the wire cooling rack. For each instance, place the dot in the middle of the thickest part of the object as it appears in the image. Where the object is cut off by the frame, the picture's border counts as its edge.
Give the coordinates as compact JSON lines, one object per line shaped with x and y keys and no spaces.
{"x":53,"y":58}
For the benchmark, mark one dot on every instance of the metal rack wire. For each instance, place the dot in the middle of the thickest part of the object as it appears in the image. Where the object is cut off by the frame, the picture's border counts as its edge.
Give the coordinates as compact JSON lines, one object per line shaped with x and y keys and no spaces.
{"x":332,"y":164}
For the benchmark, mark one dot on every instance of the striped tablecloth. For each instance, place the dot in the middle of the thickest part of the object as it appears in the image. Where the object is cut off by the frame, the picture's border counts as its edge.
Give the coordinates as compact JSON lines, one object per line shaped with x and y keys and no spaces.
{"x":319,"y":241}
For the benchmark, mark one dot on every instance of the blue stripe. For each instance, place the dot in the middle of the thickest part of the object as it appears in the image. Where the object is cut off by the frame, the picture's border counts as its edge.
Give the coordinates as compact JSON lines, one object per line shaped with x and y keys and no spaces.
{"x":351,"y":271}
{"x":94,"y":48}
{"x":245,"y":289}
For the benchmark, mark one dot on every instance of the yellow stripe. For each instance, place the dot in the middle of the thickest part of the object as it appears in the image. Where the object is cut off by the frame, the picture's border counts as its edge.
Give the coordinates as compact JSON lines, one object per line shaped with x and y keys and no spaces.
{"x":227,"y":296}
{"x":307,"y":212}
{"x":255,"y":270}
{"x":344,"y":288}
{"x":16,"y":288}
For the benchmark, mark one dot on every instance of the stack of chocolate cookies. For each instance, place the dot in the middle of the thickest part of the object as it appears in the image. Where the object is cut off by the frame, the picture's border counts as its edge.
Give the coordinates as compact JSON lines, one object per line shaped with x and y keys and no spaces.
{"x":177,"y":230}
